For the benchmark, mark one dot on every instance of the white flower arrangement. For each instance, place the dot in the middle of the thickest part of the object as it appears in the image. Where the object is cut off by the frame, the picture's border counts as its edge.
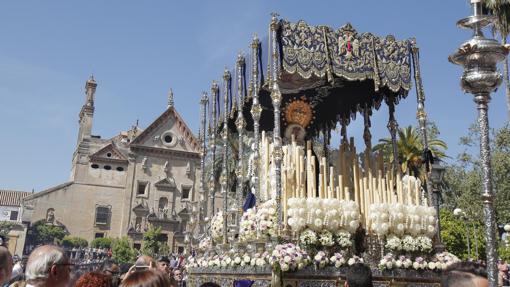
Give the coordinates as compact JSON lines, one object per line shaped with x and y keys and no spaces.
{"x":444,"y":259}
{"x":205,"y":243}
{"x":297,"y":213}
{"x":379,"y":218}
{"x":403,"y":262}
{"x":288,"y":257}
{"x":192,"y":262}
{"x":259,"y":259}
{"x":354,"y":259}
{"x":217,"y":227}
{"x":409,"y":244}
{"x":326,"y":238}
{"x":387,"y":262}
{"x":343,"y":239}
{"x":337,"y":260}
{"x":394,"y":243}
{"x":322,"y":213}
{"x":308,"y":238}
{"x":423,"y":243}
{"x":320,"y":259}
{"x":266,"y":218}
{"x":248,"y":226}
{"x":420,"y":263}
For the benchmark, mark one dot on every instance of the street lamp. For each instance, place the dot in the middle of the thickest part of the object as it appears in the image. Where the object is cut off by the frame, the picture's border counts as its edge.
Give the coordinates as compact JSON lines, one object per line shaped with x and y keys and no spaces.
{"x":436,"y":177}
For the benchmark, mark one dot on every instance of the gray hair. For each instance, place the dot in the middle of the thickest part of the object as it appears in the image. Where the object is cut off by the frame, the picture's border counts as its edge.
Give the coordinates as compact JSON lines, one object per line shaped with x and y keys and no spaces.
{"x":41,"y":260}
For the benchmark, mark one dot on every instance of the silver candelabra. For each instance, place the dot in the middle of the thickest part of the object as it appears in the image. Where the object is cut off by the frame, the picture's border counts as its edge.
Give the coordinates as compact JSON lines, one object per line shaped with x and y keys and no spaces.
{"x":479,"y":56}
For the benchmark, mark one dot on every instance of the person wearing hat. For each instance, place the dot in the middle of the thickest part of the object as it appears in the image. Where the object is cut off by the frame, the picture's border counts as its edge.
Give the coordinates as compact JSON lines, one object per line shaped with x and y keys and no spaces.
{"x":163,"y":264}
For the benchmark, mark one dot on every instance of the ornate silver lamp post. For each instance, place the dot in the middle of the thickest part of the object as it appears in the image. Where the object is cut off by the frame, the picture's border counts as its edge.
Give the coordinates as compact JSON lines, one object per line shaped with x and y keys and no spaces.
{"x":224,"y":181}
{"x":256,"y":110}
{"x":479,"y":57}
{"x":436,"y":177}
{"x":240,"y":125}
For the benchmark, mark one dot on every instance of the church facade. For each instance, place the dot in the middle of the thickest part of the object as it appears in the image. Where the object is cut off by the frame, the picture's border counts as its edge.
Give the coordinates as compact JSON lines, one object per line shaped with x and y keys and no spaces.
{"x":124,"y":185}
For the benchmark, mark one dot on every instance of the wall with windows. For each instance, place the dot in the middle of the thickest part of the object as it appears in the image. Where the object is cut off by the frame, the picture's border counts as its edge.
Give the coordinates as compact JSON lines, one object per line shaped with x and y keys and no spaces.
{"x":85,"y":210}
{"x":10,"y":213}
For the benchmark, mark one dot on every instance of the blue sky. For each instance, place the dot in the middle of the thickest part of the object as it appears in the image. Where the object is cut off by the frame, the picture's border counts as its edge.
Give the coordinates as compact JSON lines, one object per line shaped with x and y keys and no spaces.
{"x":138,"y":50}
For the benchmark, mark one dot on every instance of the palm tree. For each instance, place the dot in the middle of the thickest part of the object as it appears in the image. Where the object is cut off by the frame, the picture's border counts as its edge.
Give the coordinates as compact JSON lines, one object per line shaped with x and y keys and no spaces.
{"x":501,"y":9}
{"x":410,"y":150}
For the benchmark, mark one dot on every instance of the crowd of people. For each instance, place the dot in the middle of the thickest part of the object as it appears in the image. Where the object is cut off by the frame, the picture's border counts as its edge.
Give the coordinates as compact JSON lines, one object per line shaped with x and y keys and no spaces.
{"x":49,"y":266}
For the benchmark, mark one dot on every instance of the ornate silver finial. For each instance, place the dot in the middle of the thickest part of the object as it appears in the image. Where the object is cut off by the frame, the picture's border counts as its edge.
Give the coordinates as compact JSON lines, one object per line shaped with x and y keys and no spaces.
{"x":170,"y":99}
{"x":479,"y":57}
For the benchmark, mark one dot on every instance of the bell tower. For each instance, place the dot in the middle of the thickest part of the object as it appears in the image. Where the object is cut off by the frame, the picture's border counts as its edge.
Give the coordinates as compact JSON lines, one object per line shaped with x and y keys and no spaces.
{"x":87,"y":111}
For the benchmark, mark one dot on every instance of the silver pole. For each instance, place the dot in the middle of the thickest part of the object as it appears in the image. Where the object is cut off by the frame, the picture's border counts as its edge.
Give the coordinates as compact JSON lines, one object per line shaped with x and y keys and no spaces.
{"x":214,"y":95}
{"x":256,"y":110}
{"x":203,"y":187}
{"x":479,"y":57}
{"x":224,"y":174}
{"x":421,"y":115}
{"x":240,"y":124}
{"x":276,"y":98}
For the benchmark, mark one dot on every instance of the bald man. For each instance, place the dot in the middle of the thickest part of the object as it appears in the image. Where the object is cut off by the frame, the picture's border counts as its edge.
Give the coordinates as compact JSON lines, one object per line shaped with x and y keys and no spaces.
{"x":48,"y":266}
{"x":5,"y":265}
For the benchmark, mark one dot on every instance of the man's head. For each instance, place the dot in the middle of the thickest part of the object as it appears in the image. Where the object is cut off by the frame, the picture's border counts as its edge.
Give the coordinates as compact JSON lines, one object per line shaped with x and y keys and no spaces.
{"x":163,"y":264}
{"x":468,"y":274}
{"x":48,"y":266}
{"x":145,"y":261}
{"x":358,"y":275}
{"x":5,"y":265}
{"x":178,"y":275}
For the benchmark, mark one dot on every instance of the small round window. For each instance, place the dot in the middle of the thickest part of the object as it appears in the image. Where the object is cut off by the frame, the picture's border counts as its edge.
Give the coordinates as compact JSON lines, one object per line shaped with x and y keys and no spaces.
{"x":94,"y":166}
{"x":107,"y":167}
{"x":120,"y":168}
{"x":168,"y":139}
{"x":109,"y":154}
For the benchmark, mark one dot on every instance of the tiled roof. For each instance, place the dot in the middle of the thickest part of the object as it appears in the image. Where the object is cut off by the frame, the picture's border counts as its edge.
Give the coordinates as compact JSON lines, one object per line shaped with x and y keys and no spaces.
{"x":12,"y":197}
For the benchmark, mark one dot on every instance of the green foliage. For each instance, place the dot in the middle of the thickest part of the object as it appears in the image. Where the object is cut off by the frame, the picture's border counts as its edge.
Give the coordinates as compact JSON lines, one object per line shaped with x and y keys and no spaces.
{"x":504,"y":252}
{"x":463,"y":180}
{"x":454,"y":232}
{"x":42,"y":233}
{"x":73,"y":241}
{"x":102,"y":242}
{"x":122,"y":252}
{"x":463,"y":189}
{"x":5,"y":228}
{"x":410,"y":148}
{"x":153,"y":243}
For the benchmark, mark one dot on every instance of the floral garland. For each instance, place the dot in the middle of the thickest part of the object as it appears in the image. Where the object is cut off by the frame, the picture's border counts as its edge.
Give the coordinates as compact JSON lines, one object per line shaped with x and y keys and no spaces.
{"x":288,"y":257}
{"x":438,"y":262}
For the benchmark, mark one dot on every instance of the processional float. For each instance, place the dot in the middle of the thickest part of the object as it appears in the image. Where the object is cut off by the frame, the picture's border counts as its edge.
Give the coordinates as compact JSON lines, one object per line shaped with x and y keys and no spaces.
{"x":294,"y":212}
